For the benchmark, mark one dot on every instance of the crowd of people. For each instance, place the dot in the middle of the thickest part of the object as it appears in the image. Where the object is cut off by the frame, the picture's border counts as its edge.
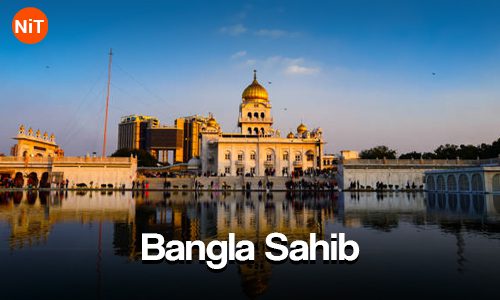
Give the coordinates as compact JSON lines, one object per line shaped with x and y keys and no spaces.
{"x":381,"y":186}
{"x":310,"y":185}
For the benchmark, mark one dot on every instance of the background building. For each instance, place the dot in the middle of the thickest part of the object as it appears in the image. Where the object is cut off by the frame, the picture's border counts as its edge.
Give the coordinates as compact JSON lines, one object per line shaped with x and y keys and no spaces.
{"x":173,"y":144}
{"x":34,"y":144}
{"x":132,"y":131}
{"x":349,"y":154}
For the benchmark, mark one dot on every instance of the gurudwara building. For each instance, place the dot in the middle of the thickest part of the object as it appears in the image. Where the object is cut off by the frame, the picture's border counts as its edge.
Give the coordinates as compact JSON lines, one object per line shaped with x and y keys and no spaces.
{"x":258,"y":149}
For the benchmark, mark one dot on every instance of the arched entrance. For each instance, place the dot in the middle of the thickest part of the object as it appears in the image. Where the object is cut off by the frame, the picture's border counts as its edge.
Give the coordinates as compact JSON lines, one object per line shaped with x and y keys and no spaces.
{"x":19,"y":180}
{"x":452,"y":183}
{"x":44,"y":181}
{"x":477,"y":183}
{"x":440,"y":183}
{"x":33,"y":180}
{"x":430,"y":183}
{"x":496,"y":183}
{"x":463,"y":183}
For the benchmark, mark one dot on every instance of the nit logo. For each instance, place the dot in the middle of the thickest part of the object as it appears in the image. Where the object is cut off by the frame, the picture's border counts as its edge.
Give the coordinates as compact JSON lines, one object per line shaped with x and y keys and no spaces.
{"x":30,"y":25}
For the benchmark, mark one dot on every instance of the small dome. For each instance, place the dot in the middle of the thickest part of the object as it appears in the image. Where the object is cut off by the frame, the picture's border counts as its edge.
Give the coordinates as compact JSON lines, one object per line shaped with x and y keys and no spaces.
{"x":255,"y":91}
{"x":194,"y":163}
{"x":301,"y":128}
{"x":212,"y":122}
{"x":290,"y":135}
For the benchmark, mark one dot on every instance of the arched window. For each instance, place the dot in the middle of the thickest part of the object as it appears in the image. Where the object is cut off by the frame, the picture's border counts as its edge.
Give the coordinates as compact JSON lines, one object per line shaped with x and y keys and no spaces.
{"x":256,"y":130}
{"x":227,"y":155}
{"x":256,"y":115}
{"x":249,"y":130}
{"x":477,"y":183}
{"x":269,"y":155}
{"x":262,"y":115}
{"x":262,"y":131}
{"x":286,"y":157}
{"x":430,"y":184}
{"x":440,"y":183}
{"x":298,"y":156}
{"x":452,"y":183}
{"x":463,"y":183}
{"x":310,"y":155}
{"x":249,"y":115}
{"x":240,"y":156}
{"x":496,"y":183}
{"x":252,"y":155}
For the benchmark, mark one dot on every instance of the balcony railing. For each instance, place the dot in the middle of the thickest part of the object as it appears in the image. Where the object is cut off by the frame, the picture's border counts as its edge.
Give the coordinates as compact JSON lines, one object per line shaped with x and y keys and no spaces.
{"x":256,"y":120}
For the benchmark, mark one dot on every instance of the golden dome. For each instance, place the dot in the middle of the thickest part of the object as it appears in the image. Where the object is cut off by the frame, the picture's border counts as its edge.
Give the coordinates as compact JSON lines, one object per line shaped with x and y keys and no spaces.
{"x":212,"y":122}
{"x":290,"y":135}
{"x":301,"y":128}
{"x":255,"y":90}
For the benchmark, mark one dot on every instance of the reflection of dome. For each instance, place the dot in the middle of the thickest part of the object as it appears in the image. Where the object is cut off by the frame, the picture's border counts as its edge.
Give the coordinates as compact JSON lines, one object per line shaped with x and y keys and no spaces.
{"x":290,"y":135}
{"x":194,"y":163}
{"x":301,"y":128}
{"x":255,"y":90}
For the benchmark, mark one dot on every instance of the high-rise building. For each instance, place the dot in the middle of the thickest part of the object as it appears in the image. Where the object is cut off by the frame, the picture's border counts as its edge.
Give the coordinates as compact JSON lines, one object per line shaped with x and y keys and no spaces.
{"x":174,"y":144}
{"x":191,"y":126}
{"x":132,"y":131}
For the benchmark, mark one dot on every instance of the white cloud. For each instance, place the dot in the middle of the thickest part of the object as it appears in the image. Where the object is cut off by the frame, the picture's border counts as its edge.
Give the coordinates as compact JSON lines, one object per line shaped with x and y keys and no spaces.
{"x":301,"y":70}
{"x":289,"y":66}
{"x":251,"y":62}
{"x":275,"y":33}
{"x":238,"y":54}
{"x":233,"y":30}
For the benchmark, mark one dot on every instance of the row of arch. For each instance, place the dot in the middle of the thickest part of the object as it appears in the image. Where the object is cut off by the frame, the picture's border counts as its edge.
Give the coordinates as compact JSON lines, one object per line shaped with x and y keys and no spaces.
{"x":256,"y":115}
{"x":27,"y":154}
{"x":256,"y":131}
{"x":270,"y":155}
{"x":463,"y":203}
{"x":451,"y":183}
{"x":32,"y":180}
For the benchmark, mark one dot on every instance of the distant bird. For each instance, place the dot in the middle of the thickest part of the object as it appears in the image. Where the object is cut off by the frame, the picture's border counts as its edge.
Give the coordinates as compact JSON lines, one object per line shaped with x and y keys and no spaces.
{"x":433,"y":73}
{"x":285,"y":109}
{"x":47,"y":67}
{"x":269,"y":82}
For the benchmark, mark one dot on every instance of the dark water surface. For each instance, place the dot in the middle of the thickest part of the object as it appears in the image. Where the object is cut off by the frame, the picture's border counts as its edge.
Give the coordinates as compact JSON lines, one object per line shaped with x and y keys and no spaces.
{"x":80,"y":246}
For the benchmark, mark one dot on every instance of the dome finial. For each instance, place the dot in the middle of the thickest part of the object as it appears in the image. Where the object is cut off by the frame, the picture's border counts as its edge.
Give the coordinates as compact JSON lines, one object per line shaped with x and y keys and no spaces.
{"x":255,"y":91}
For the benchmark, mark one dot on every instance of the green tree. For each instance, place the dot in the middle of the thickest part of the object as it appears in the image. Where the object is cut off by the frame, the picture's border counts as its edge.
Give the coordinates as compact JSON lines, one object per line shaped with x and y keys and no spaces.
{"x":144,"y":158}
{"x":410,"y":155}
{"x":447,"y":151}
{"x":429,"y":155}
{"x":378,"y":152}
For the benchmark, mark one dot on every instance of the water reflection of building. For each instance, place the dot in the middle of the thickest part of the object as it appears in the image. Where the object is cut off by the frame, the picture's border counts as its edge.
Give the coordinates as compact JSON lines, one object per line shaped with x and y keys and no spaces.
{"x":207,"y":216}
{"x":31,"y":215}
{"x":382,"y":211}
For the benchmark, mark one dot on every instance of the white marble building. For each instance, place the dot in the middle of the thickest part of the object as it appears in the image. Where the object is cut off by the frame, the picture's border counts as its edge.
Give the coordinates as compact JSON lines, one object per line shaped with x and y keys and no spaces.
{"x":258,"y":148}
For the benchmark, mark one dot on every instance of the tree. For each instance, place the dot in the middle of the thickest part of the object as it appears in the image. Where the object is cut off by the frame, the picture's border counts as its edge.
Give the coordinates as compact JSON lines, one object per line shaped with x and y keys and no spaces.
{"x":144,"y":158}
{"x":378,"y":152}
{"x":410,"y":155}
{"x":429,"y":155}
{"x":447,"y":151}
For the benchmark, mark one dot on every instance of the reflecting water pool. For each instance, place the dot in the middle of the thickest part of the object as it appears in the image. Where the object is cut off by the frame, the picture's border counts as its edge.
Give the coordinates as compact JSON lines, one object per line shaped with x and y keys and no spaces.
{"x":87,"y":245}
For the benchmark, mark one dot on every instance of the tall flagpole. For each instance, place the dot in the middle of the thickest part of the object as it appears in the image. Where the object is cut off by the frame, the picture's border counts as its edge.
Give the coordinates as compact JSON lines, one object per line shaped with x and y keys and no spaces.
{"x":107,"y":104}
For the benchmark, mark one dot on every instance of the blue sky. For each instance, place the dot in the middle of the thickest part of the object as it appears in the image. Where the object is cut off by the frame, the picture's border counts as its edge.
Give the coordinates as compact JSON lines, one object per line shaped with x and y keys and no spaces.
{"x":361,"y":70}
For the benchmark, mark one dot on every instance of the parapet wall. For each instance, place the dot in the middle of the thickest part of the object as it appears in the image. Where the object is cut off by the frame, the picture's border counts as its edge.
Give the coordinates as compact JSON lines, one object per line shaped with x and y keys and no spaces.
{"x":230,"y":182}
